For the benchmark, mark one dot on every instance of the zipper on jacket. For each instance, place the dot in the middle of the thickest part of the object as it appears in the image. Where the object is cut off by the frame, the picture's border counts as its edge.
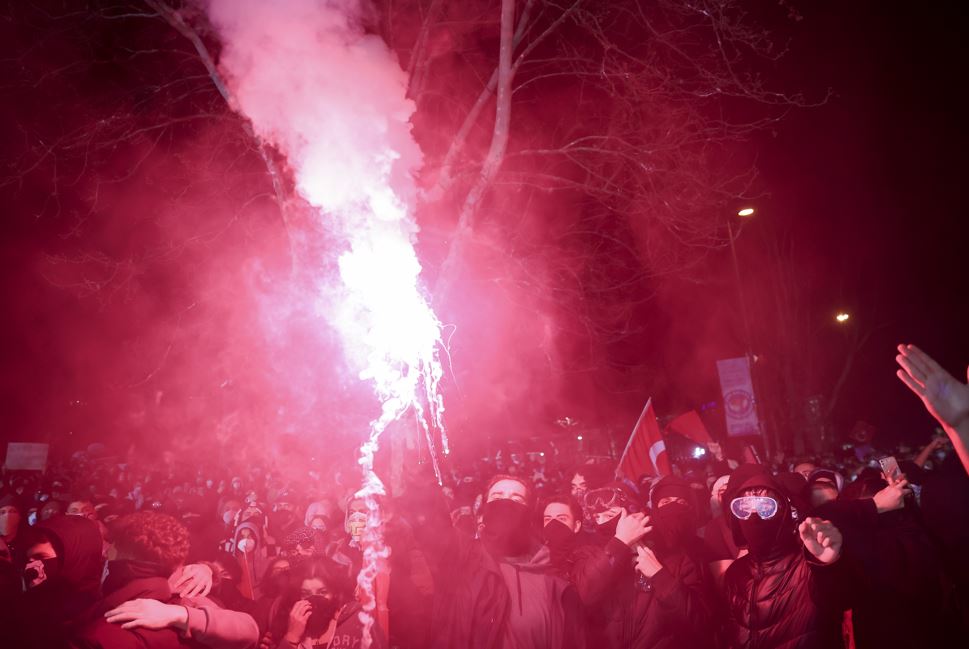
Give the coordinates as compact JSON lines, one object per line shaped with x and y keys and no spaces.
{"x":753,"y":607}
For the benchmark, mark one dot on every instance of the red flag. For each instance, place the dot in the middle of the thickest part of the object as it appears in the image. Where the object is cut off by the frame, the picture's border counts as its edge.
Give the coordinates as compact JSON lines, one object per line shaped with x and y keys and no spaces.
{"x":690,"y":425}
{"x":645,"y":452}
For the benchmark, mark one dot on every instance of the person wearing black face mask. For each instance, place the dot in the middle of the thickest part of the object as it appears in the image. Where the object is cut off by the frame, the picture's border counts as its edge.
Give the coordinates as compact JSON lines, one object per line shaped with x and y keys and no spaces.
{"x":61,"y":579}
{"x":562,"y":520}
{"x":637,"y":592}
{"x":789,"y":590}
{"x":500,"y":590}
{"x":318,"y":610}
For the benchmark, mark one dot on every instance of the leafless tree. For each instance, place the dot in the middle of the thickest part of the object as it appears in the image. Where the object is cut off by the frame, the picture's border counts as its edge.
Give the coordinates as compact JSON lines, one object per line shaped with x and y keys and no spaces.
{"x":586,"y":148}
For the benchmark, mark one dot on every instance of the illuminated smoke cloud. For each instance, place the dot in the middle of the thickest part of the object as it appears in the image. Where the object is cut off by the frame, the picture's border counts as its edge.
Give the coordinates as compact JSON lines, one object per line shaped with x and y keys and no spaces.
{"x":332,"y":99}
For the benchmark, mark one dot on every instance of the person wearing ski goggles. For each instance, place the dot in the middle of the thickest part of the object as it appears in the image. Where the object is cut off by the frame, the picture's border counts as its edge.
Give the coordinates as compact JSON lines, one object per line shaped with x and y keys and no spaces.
{"x":781,"y":590}
{"x":744,"y":507}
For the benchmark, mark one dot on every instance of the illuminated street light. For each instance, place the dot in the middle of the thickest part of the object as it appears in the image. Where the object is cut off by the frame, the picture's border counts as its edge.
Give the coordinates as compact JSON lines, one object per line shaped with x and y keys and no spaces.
{"x":579,"y":438}
{"x":842,"y":317}
{"x":744,"y":213}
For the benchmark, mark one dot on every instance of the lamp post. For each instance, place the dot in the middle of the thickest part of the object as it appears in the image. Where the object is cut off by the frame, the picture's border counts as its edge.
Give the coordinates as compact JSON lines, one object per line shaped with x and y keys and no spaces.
{"x":747,"y":212}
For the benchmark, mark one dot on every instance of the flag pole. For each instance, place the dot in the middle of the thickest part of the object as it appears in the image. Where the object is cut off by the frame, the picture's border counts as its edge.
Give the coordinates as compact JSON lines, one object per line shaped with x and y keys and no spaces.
{"x":632,"y":436}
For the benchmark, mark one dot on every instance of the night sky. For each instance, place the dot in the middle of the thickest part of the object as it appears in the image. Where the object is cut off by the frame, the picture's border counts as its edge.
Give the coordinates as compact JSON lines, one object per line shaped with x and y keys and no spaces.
{"x":874,"y":180}
{"x":868,"y":186}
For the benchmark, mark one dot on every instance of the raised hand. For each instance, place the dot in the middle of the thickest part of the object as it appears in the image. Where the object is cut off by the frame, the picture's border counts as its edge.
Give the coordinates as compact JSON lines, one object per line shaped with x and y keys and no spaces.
{"x":944,"y":396}
{"x":646,"y":561}
{"x":892,"y":497}
{"x":147,"y":613}
{"x":298,"y":616}
{"x":632,"y":527}
{"x":821,"y":538}
{"x":194,"y":581}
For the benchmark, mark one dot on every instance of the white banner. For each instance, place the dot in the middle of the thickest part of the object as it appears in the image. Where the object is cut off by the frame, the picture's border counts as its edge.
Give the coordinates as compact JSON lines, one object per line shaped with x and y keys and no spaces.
{"x":23,"y":456}
{"x":739,"y":405}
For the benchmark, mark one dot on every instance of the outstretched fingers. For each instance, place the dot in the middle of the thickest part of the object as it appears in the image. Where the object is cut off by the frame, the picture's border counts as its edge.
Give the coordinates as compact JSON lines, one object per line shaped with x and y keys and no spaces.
{"x":912,"y":384}
{"x":913,"y":369}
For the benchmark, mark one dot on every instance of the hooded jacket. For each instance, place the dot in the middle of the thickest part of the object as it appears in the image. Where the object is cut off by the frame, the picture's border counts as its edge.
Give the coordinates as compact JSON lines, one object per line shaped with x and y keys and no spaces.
{"x":782,"y":599}
{"x":49,"y":613}
{"x":487,"y":602}
{"x":505,"y":603}
{"x":254,"y":562}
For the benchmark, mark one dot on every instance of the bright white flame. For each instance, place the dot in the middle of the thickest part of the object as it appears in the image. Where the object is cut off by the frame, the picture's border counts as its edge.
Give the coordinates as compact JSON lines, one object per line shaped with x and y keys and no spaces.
{"x":333,"y":100}
{"x":747,"y":211}
{"x":842,"y":317}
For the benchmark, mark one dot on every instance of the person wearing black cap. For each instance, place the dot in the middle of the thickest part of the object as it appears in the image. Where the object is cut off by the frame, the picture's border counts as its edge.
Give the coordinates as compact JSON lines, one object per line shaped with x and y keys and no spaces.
{"x":786,"y":591}
{"x":640,"y":588}
{"x":824,"y":486}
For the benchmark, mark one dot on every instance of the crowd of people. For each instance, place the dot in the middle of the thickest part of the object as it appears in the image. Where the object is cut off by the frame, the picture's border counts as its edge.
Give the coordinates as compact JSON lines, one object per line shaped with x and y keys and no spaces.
{"x":513,"y":552}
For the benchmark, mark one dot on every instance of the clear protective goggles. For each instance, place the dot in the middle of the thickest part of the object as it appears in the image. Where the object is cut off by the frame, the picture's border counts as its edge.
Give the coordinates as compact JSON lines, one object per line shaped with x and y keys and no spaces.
{"x":599,"y":500}
{"x":745,"y":506}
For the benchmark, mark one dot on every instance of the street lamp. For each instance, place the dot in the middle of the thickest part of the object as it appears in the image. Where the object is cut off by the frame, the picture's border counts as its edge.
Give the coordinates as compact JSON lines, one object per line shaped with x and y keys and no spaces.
{"x":843,"y":317}
{"x":745,"y":212}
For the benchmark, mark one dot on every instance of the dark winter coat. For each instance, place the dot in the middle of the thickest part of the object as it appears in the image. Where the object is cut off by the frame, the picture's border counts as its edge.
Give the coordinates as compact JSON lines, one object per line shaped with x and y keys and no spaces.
{"x":786,"y":602}
{"x":624,"y":609}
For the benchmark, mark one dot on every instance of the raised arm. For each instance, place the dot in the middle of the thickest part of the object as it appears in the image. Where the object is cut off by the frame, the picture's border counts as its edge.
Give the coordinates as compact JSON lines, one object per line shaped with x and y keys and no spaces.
{"x":944,"y":396}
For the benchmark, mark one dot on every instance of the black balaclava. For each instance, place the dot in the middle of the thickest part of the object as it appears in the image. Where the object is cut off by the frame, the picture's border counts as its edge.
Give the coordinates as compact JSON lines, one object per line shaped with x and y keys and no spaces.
{"x":506,"y":530}
{"x":675,"y":523}
{"x":765,"y":539}
{"x":772,"y":537}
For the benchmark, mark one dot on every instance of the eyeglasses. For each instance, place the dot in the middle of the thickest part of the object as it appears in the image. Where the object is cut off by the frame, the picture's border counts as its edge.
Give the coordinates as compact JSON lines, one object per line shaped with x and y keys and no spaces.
{"x":745,"y":506}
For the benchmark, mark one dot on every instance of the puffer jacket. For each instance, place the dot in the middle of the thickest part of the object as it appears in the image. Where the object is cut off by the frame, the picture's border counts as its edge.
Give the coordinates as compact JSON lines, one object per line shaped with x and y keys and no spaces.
{"x":786,"y":602}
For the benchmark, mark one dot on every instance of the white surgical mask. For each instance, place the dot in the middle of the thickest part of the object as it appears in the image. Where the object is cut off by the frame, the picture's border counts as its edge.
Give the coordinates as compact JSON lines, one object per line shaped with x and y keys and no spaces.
{"x":246,"y":545}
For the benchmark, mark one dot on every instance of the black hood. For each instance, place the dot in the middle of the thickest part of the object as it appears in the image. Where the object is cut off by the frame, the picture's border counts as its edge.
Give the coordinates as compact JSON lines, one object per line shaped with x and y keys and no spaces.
{"x":748,"y":476}
{"x":78,"y":543}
